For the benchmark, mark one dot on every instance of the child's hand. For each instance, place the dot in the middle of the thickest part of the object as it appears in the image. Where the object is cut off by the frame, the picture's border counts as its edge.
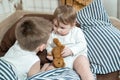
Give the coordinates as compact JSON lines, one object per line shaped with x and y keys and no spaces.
{"x":41,"y":48}
{"x":50,"y":57}
{"x":66,"y":52}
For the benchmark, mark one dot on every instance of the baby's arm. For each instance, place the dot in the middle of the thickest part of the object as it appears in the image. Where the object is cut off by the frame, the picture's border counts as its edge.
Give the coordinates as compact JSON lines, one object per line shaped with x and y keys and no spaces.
{"x":66,"y":52}
{"x":34,"y":69}
{"x":79,"y":46}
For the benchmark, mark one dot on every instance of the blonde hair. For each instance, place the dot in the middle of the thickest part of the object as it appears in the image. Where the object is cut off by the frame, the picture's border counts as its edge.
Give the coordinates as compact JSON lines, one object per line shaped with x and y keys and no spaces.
{"x":32,"y":32}
{"x":65,"y":14}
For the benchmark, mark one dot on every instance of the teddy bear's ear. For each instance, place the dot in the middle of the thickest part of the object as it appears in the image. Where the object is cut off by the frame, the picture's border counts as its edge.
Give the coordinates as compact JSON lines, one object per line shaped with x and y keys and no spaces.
{"x":57,"y":42}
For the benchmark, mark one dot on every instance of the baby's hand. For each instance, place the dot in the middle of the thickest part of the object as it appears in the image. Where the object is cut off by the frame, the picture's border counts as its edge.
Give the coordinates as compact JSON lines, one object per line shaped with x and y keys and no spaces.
{"x":66,"y":52}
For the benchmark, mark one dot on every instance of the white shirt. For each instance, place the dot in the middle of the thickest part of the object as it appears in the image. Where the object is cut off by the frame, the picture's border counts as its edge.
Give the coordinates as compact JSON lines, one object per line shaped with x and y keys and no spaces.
{"x":74,"y":40}
{"x":21,"y":60}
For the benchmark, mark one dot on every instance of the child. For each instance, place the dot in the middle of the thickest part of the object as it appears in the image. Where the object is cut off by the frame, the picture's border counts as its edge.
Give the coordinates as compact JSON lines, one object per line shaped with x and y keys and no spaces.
{"x":21,"y":60}
{"x":75,"y":51}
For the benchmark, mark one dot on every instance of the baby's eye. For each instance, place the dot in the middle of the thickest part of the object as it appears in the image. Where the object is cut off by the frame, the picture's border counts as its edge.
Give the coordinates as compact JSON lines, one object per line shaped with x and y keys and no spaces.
{"x":62,"y":27}
{"x":55,"y":25}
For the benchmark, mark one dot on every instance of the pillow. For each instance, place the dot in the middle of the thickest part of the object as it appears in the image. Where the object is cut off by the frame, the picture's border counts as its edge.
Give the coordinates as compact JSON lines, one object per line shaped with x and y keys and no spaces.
{"x":7,"y":41}
{"x":102,"y":37}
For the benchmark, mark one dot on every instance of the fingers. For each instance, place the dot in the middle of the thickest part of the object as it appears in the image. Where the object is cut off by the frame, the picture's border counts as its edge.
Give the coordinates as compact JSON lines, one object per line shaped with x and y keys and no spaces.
{"x":66,"y":52}
{"x":50,"y":57}
{"x":42,"y":47}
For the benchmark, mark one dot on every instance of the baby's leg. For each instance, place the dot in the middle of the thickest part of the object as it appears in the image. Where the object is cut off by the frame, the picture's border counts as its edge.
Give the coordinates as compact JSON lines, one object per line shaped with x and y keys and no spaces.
{"x":82,"y":67}
{"x":47,"y":66}
{"x":44,"y":67}
{"x":50,"y":67}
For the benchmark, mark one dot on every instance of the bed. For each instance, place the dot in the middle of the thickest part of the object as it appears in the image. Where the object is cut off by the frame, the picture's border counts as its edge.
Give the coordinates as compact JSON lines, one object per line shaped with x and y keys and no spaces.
{"x":7,"y":28}
{"x":99,"y":66}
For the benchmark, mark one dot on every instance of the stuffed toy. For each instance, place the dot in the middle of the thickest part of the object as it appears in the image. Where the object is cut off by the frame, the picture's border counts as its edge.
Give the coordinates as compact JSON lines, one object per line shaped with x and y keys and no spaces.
{"x":77,"y":4}
{"x":58,"y":61}
{"x":43,"y":57}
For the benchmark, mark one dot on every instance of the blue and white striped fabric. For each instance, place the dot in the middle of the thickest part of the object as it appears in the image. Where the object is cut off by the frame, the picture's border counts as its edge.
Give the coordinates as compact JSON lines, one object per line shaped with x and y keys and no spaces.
{"x":102,"y":37}
{"x":56,"y":74}
{"x":6,"y":71}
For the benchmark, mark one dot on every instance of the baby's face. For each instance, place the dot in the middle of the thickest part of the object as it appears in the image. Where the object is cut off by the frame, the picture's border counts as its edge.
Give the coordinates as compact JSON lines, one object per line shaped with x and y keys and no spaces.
{"x":61,"y":29}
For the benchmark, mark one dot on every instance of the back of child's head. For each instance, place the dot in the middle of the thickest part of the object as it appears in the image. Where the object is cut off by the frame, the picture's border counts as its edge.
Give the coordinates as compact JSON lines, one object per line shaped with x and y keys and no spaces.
{"x":32,"y":31}
{"x":65,"y":14}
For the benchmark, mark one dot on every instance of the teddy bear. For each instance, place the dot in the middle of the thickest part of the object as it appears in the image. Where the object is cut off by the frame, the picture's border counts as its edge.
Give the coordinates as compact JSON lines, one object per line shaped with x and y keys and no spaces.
{"x":43,"y":57}
{"x":77,"y":4}
{"x":58,"y":61}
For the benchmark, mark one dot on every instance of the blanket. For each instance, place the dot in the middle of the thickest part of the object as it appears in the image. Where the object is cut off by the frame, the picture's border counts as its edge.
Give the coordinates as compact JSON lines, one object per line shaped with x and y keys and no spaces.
{"x":56,"y":74}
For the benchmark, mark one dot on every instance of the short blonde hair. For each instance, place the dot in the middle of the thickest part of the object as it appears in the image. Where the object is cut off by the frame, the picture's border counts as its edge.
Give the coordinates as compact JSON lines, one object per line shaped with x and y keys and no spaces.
{"x":65,"y":14}
{"x":32,"y":32}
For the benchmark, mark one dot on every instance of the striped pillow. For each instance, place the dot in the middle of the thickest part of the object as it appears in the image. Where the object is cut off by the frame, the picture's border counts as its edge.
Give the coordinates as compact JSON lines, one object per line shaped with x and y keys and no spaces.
{"x":102,"y":37}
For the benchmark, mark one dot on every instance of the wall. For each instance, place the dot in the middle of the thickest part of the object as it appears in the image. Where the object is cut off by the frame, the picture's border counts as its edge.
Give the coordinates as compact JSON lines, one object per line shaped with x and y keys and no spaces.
{"x":111,"y":7}
{"x":47,"y":6}
{"x":7,"y":6}
{"x":118,"y":8}
{"x":44,"y":6}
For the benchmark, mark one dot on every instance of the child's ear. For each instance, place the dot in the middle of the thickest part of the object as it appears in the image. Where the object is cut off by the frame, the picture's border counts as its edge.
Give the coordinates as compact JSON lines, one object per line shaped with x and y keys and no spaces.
{"x":37,"y":49}
{"x":74,"y":24}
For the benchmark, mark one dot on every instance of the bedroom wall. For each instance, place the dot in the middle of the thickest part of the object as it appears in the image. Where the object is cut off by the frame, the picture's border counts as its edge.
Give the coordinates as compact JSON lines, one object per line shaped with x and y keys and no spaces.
{"x":44,"y":6}
{"x":47,"y":6}
{"x":6,"y":8}
{"x":118,"y":8}
{"x":111,"y":7}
